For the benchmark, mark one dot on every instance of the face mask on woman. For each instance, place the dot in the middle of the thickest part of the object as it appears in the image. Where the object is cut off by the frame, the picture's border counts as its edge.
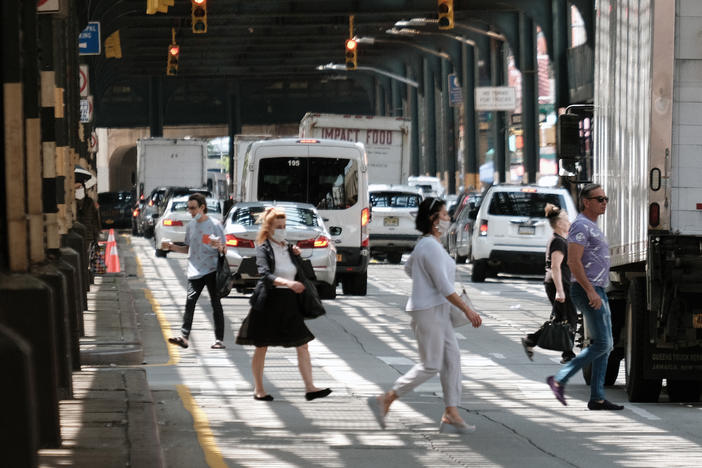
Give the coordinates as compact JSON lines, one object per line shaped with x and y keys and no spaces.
{"x":278,"y":235}
{"x":80,"y":194}
{"x":443,"y":226}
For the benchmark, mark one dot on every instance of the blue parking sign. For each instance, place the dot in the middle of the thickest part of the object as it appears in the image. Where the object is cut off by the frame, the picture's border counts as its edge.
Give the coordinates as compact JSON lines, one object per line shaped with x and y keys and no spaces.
{"x":89,"y":39}
{"x":455,"y":93}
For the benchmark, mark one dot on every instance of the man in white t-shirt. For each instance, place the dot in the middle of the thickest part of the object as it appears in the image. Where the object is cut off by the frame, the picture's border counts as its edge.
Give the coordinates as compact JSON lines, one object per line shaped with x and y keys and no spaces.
{"x":204,"y":241}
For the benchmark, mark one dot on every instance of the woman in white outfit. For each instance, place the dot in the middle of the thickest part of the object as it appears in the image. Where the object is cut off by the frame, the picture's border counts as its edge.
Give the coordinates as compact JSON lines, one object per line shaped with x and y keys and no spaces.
{"x":433,"y":273}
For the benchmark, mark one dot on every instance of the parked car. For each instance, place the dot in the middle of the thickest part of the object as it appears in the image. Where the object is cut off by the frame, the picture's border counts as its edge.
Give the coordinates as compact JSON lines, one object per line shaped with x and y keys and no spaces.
{"x":304,"y":227}
{"x":172,"y":223}
{"x":392,"y":230}
{"x":146,"y":208}
{"x":459,"y":239}
{"x":511,"y":230}
{"x":430,"y":186}
{"x":175,"y":191}
{"x":116,"y":209}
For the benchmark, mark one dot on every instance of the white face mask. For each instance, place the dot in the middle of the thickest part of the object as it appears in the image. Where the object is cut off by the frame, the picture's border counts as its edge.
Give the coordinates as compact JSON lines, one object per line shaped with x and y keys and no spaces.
{"x":278,"y":235}
{"x":80,"y":194}
{"x":443,"y":226}
{"x":197,"y":216}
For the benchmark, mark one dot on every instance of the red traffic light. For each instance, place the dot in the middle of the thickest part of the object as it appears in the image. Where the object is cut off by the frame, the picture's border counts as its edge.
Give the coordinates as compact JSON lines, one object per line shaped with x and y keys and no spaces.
{"x":174,"y":50}
{"x":351,"y":44}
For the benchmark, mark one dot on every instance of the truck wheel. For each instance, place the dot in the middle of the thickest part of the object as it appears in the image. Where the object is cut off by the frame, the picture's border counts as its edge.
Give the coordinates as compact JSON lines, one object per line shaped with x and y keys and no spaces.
{"x":460,"y":260}
{"x":148,"y":233}
{"x":684,"y":391}
{"x":355,"y":285}
{"x":479,"y":272}
{"x":326,"y":291}
{"x":395,"y":257}
{"x":612,"y":372}
{"x":638,"y":388}
{"x":161,"y":253}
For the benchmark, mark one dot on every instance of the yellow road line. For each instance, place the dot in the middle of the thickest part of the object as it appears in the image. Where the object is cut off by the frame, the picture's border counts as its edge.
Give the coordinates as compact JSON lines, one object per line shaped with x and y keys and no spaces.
{"x":213,"y":456}
{"x":173,"y":351}
{"x":140,"y":271}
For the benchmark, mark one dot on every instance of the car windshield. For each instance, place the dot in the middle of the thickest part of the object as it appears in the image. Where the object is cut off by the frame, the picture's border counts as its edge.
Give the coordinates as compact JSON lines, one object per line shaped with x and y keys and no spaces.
{"x":520,"y":203}
{"x":295,"y":217}
{"x":326,"y":183}
{"x":212,"y":206}
{"x":395,"y":199}
{"x":114,"y":197}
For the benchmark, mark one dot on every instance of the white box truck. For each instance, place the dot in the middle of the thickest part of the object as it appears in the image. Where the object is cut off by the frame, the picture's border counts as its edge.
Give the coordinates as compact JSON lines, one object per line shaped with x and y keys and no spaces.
{"x":168,"y":161}
{"x":387,"y":141}
{"x":241,"y":145}
{"x":645,"y":152}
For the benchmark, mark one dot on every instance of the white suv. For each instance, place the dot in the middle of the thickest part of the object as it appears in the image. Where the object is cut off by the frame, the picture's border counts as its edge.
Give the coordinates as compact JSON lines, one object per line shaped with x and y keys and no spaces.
{"x":511,"y":230}
{"x":392,"y":227}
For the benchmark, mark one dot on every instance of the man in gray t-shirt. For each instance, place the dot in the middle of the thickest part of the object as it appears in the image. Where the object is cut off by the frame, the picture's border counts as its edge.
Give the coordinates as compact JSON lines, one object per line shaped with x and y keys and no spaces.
{"x":588,"y":259}
{"x":204,"y":242}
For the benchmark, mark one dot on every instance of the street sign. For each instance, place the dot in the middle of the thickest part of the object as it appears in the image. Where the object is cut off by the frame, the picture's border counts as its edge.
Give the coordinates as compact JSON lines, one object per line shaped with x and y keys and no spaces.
{"x":495,"y":98}
{"x":83,"y":81}
{"x":89,"y":39}
{"x":86,"y":110}
{"x":48,"y":6}
{"x":455,"y":92}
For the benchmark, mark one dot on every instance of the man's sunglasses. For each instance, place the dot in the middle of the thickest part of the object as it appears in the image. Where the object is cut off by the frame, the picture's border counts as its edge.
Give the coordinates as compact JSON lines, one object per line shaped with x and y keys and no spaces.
{"x":599,"y":199}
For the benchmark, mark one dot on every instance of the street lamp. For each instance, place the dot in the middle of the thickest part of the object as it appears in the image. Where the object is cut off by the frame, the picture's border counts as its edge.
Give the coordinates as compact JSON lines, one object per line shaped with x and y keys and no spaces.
{"x":427,"y":50}
{"x":430,"y":21}
{"x":340,"y":67}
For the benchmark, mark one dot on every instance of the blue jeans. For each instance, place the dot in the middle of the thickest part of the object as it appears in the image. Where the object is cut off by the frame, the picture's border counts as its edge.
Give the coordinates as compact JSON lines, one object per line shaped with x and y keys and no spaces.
{"x":599,"y":327}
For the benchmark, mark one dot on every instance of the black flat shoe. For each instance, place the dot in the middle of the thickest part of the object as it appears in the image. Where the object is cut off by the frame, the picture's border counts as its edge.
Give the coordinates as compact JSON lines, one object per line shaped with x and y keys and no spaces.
{"x":604,"y":405}
{"x":264,"y":398}
{"x":309,"y":396}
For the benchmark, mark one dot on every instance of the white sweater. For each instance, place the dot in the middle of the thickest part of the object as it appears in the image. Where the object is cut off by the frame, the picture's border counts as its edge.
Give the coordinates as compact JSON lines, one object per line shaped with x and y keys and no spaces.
{"x":433,"y":274}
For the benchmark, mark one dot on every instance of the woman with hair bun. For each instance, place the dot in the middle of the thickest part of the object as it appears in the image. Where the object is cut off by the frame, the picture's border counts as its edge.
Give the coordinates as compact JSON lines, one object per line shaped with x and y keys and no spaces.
{"x":557,"y":280}
{"x":433,"y":291}
{"x":275,"y":318}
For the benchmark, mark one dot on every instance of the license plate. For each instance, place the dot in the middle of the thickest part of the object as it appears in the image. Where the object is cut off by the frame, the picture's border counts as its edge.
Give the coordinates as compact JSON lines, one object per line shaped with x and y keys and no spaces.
{"x":391,"y":221}
{"x":338,"y":257}
{"x":527,"y":230}
{"x":697,"y":320}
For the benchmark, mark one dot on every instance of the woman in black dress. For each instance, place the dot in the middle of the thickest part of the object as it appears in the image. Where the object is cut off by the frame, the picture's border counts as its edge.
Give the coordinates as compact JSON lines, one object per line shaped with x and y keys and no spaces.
{"x":557,"y":280}
{"x":275,"y":318}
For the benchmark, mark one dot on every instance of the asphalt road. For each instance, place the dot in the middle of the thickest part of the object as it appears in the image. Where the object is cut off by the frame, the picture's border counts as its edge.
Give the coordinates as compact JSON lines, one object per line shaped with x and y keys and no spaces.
{"x":207,"y":416}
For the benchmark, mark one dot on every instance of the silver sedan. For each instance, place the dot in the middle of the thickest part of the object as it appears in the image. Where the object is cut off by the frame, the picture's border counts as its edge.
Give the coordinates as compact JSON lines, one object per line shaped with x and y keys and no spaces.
{"x":304,"y":228}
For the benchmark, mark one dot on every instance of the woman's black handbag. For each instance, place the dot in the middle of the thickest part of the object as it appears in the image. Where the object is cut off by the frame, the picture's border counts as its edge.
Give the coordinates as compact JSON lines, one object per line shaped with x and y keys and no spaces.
{"x":310,"y":304}
{"x":224,"y":276}
{"x":557,"y":336}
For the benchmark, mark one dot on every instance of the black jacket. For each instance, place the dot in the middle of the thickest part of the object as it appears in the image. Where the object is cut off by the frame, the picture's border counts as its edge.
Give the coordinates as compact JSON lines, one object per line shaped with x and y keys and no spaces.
{"x":265,"y":261}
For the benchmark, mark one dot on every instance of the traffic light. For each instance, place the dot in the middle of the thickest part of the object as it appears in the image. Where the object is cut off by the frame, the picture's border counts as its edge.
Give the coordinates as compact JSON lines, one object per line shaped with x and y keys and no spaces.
{"x":173,"y":54}
{"x":199,"y":16}
{"x":445,"y":11}
{"x":351,"y":47}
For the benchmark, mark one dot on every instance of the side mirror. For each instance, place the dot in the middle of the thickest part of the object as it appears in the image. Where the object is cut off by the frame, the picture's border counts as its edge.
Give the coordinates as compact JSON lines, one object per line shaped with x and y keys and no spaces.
{"x":473,"y":213}
{"x":155,"y":215}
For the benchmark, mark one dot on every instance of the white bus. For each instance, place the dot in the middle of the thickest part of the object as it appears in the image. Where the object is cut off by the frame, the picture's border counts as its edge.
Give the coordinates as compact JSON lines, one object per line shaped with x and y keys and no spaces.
{"x":331,"y":175}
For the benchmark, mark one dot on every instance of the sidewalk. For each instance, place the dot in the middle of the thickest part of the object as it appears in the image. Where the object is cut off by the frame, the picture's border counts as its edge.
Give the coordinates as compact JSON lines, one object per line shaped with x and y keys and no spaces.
{"x":110,"y":422}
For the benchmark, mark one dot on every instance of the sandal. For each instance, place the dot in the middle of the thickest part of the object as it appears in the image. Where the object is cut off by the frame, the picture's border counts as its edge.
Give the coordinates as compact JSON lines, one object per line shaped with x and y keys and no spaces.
{"x":178,"y":340}
{"x":218,"y":345}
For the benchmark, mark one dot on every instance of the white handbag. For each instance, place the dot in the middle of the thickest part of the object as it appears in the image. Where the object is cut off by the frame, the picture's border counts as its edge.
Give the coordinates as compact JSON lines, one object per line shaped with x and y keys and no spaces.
{"x":458,"y":318}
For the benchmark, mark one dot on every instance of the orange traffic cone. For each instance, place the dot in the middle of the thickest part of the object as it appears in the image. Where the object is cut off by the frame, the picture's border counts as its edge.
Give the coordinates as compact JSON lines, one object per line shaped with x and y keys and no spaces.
{"x":111,"y":255}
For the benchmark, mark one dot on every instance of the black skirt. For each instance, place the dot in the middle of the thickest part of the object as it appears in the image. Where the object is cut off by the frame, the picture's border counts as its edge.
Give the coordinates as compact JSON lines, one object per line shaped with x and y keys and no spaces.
{"x":279,"y":323}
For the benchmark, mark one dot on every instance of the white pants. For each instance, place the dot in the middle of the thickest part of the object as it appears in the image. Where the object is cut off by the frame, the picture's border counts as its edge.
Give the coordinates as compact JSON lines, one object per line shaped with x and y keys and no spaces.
{"x":438,"y":353}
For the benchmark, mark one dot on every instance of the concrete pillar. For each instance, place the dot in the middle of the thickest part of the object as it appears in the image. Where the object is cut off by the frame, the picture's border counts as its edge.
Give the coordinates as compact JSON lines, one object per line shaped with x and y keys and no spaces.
{"x":530,"y":98}
{"x":448,"y":133}
{"x":414,"y":115}
{"x":50,"y":274}
{"x":64,"y":259}
{"x":429,"y":148}
{"x":19,"y":428}
{"x":27,"y":307}
{"x":499,"y":122}
{"x":75,"y":242}
{"x":470,"y":124}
